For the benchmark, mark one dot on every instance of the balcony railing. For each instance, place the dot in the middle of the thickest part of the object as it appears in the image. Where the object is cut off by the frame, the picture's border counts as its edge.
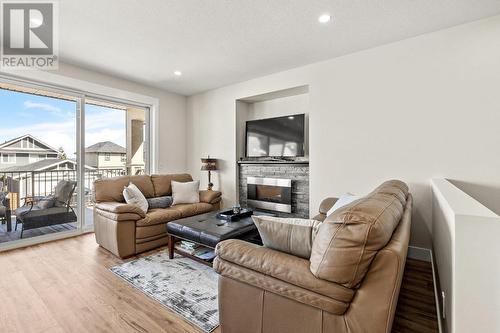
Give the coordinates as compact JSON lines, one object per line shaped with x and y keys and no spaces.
{"x":21,"y":184}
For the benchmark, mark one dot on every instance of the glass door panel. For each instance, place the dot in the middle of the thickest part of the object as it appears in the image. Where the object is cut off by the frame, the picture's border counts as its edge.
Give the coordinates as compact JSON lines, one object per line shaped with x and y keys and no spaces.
{"x":38,"y":162}
{"x":115,"y":145}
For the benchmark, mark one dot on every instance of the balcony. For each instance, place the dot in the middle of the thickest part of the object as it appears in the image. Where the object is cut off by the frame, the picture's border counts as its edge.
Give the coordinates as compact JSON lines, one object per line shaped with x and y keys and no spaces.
{"x":22,"y":185}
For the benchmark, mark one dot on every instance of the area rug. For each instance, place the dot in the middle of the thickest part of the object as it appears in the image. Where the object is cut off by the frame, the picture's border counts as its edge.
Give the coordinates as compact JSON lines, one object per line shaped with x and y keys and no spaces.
{"x":182,"y":285}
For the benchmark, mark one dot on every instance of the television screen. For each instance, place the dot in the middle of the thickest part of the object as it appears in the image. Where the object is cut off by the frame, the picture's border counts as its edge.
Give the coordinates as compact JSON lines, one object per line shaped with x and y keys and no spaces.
{"x":276,"y":137}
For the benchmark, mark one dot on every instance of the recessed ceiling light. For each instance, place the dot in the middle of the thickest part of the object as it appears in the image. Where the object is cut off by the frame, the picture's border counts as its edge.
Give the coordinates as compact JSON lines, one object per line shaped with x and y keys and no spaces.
{"x":325,"y":18}
{"x":177,"y":73}
{"x":291,"y":117}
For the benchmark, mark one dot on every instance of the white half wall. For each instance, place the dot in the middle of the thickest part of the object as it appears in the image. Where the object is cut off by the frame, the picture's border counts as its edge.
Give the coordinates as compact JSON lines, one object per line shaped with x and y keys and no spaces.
{"x":467,"y":256}
{"x":416,"y":109}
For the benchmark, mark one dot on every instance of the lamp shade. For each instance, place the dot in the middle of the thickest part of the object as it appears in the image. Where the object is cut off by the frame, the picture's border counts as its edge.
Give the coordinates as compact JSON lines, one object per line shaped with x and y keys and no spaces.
{"x":208,"y":164}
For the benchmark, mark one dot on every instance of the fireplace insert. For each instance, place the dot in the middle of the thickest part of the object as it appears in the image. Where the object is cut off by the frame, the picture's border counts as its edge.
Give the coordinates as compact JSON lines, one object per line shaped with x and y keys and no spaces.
{"x":270,"y":193}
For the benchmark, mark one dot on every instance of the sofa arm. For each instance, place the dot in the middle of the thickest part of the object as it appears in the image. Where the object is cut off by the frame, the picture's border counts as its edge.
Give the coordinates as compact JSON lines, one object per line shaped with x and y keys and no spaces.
{"x":118,"y":211}
{"x":210,"y":197}
{"x":281,"y":266}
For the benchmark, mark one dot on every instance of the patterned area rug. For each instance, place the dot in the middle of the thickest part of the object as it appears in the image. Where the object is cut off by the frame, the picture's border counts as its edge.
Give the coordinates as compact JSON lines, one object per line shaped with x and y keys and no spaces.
{"x":181,"y":284}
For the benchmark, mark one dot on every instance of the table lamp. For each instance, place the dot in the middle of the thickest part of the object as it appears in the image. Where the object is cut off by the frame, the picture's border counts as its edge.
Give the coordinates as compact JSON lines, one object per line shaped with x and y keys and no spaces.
{"x":209,"y":164}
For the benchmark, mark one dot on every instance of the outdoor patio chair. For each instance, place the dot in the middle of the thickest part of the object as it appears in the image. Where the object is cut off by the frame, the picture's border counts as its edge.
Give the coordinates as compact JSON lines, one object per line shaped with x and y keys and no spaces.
{"x":3,"y":208}
{"x":49,"y":210}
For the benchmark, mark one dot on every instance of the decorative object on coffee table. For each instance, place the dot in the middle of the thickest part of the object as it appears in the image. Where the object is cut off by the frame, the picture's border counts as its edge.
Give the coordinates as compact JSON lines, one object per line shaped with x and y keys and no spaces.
{"x":234,"y":214}
{"x":209,"y":164}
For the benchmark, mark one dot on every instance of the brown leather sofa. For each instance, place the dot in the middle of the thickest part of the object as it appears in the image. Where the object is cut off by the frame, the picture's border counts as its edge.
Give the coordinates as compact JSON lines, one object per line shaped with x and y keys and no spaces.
{"x":124,"y":229}
{"x":350,"y":284}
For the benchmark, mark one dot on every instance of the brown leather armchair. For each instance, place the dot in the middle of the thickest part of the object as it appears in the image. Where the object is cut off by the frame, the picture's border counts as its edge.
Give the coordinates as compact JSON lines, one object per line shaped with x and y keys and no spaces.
{"x":350,"y":284}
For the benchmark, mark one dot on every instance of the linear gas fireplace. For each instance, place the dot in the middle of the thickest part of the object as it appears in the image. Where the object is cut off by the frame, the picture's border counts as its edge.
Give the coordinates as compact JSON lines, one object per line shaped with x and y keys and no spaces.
{"x":270,"y":193}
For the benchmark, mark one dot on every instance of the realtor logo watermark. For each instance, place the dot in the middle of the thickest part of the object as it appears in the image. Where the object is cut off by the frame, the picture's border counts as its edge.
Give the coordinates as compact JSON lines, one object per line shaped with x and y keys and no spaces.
{"x":29,"y":35}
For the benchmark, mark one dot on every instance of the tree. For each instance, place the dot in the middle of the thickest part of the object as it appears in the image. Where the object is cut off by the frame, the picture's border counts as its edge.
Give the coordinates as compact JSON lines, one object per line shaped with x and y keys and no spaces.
{"x":61,"y":154}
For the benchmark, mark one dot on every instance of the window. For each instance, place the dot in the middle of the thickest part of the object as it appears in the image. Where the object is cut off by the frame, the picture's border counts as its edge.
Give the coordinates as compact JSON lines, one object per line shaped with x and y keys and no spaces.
{"x":8,"y":158}
{"x":124,"y":158}
{"x":36,"y":157}
{"x":107,"y":156}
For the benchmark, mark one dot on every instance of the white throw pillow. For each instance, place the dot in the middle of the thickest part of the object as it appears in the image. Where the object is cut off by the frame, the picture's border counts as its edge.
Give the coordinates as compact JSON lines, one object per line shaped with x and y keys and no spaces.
{"x":134,"y":196}
{"x":187,"y":192}
{"x":343,"y":201}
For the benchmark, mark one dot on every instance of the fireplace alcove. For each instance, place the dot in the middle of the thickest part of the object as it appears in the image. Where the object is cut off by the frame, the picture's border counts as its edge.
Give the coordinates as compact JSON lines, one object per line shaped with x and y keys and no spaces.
{"x":286,"y":102}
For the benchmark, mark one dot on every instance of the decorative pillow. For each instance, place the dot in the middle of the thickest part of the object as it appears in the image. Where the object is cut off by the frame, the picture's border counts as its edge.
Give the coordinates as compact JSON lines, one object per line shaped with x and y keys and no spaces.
{"x":160,"y":202}
{"x":344,"y":200}
{"x":47,"y":202}
{"x":291,"y":235}
{"x":187,"y":192}
{"x":134,"y":196}
{"x":62,"y":192}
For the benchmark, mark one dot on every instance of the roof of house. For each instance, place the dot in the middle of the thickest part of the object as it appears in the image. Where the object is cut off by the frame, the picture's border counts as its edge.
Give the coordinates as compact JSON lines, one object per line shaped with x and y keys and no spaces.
{"x":105,"y":147}
{"x":6,"y":144}
{"x":40,"y":165}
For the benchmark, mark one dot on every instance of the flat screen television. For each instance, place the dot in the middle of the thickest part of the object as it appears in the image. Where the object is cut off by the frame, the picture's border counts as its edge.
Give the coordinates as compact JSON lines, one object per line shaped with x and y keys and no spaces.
{"x":276,"y":137}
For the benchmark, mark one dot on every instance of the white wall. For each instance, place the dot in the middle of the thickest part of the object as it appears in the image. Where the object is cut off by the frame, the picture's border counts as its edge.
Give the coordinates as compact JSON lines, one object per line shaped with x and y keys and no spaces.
{"x":172,"y":122}
{"x":467,"y":254}
{"x":279,"y":107}
{"x":172,"y":107}
{"x":415,"y":109}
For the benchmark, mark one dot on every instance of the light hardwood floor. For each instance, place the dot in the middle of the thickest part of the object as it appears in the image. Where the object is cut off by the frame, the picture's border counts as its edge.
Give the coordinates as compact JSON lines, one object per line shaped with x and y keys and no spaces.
{"x":65,"y":286}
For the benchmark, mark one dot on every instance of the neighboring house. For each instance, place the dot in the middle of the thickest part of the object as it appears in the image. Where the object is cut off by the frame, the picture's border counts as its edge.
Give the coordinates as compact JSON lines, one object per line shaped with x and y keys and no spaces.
{"x":106,"y":155}
{"x":49,"y":164}
{"x":24,"y":150}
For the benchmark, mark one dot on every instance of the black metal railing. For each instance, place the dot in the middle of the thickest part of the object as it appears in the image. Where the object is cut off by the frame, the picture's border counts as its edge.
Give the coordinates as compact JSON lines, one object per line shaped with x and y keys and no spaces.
{"x":22,"y":184}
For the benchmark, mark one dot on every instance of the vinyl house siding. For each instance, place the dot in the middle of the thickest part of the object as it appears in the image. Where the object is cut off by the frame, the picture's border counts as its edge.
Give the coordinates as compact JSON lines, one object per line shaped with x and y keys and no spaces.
{"x":98,"y":160}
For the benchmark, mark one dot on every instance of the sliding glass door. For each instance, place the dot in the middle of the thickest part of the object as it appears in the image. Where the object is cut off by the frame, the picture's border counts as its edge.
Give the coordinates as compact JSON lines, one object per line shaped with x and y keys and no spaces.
{"x":38,"y":162}
{"x":53,"y":145}
{"x":115,"y":144}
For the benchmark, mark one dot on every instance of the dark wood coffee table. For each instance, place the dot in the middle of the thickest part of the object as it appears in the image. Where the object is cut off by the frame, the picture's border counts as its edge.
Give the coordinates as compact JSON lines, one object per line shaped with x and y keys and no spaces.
{"x":207,"y":230}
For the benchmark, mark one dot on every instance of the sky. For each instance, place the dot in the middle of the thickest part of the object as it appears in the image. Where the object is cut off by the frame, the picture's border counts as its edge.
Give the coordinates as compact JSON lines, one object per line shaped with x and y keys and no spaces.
{"x":53,"y":121}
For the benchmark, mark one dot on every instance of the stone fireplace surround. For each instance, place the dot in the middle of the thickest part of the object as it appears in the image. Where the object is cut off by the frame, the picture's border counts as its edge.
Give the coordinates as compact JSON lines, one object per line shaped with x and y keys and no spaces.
{"x":297,"y":171}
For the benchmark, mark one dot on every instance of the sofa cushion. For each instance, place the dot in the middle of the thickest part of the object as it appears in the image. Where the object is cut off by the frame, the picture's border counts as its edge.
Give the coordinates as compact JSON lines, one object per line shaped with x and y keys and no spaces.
{"x":46,"y":202}
{"x":111,"y":189}
{"x":349,"y":239}
{"x":162,"y":183}
{"x":290,"y":235}
{"x":158,"y":216}
{"x":160,"y":202}
{"x":186,"y":192}
{"x":144,"y":183}
{"x":25,"y":209}
{"x":150,"y":231}
{"x":134,"y":196}
{"x":187,"y":210}
{"x":282,"y":266}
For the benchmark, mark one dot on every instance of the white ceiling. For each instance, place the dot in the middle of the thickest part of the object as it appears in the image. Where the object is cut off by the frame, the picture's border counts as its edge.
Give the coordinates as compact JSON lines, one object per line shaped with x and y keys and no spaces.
{"x":219,"y":42}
